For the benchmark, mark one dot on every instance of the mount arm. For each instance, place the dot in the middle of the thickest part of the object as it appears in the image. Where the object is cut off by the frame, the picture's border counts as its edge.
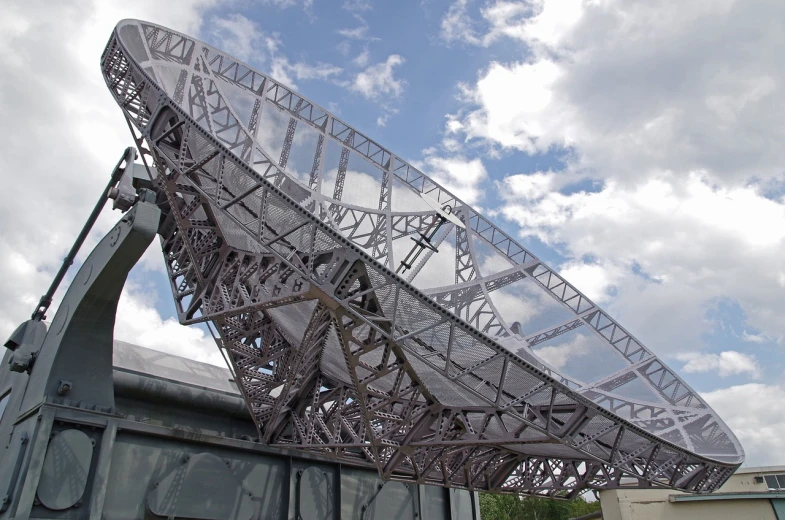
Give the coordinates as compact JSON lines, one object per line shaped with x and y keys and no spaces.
{"x":110,"y":191}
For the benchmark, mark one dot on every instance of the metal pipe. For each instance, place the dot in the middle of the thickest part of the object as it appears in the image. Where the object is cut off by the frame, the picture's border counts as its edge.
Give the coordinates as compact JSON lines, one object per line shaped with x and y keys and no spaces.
{"x":148,"y":388}
{"x":46,"y":300}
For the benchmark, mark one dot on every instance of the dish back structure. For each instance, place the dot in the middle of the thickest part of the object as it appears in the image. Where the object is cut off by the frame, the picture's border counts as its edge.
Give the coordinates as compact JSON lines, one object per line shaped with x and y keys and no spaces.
{"x":371,"y":316}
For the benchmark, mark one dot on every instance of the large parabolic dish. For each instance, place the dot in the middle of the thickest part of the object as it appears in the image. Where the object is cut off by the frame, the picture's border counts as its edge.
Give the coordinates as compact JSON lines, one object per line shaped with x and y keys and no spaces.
{"x":373,"y":317}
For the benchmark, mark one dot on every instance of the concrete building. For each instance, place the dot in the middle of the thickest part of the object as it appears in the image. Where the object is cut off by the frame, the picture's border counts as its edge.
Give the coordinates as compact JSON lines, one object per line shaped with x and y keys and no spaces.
{"x":750,"y":494}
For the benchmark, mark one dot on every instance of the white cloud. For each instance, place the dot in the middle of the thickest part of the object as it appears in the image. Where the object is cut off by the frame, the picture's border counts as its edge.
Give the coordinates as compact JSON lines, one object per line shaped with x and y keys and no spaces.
{"x":362,"y":59}
{"x":285,"y":3}
{"x":139,"y":323}
{"x":680,"y":152}
{"x":344,"y":47}
{"x":666,"y":116}
{"x":334,"y":108}
{"x":357,"y":33}
{"x":756,"y":414}
{"x":739,"y":214}
{"x":457,"y":24}
{"x":537,"y":22}
{"x":558,"y":355}
{"x":670,"y":245}
{"x":595,"y":280}
{"x":531,"y":21}
{"x":286,"y":72}
{"x":378,"y":81}
{"x":361,"y":31}
{"x":725,"y":363}
{"x":753,"y":338}
{"x":461,"y":176}
{"x":517,"y":108}
{"x":307,"y":5}
{"x":238,"y":36}
{"x":635,"y":88}
{"x":356,"y":5}
{"x":241,"y":37}
{"x":62,"y":133}
{"x":388,"y":113}
{"x":532,"y":186}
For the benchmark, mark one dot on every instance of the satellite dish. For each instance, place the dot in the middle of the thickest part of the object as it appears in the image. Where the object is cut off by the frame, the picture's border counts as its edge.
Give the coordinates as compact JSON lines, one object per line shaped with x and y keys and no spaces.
{"x":339,"y":356}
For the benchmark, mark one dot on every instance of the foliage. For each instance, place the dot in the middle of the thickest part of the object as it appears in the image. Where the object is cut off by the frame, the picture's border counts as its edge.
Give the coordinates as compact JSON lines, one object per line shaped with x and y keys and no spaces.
{"x":511,"y":507}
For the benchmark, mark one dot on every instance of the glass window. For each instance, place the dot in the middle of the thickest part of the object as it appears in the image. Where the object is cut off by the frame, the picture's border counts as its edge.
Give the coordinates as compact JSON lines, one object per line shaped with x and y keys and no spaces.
{"x":781,"y":481}
{"x":771,"y":481}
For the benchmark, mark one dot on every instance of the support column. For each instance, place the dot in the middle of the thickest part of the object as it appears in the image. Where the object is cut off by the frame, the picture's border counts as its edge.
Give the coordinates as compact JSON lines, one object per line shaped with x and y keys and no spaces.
{"x":75,"y":360}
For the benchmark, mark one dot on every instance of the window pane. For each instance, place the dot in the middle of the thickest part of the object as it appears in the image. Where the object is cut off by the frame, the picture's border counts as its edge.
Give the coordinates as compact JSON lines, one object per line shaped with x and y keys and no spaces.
{"x":781,"y":481}
{"x":771,"y":481}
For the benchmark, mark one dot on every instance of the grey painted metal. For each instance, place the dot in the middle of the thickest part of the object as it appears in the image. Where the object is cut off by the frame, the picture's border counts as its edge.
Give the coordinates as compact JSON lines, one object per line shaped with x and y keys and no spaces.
{"x":21,"y":507}
{"x":177,"y":440}
{"x":129,"y":384}
{"x":15,"y":473}
{"x":434,"y":503}
{"x":393,"y":499}
{"x":134,"y":359}
{"x":125,"y":162}
{"x":314,"y":496}
{"x":24,"y":344}
{"x":285,"y":236}
{"x":77,"y":349}
{"x":202,"y":487}
{"x":66,"y":466}
{"x":138,"y":461}
{"x":12,"y":385}
{"x":102,"y":471}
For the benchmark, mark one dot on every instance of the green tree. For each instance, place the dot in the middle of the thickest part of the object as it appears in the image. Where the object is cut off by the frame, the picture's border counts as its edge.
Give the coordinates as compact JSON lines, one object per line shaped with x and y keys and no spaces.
{"x":580,"y":507}
{"x":510,"y":507}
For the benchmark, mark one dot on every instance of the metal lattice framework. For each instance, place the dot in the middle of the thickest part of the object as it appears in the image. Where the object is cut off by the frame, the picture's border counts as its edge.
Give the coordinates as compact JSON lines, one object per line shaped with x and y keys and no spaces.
{"x":477,"y":366}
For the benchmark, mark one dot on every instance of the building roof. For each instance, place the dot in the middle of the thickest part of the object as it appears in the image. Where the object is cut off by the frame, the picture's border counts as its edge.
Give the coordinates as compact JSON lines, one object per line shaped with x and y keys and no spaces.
{"x":725,"y":496}
{"x":760,"y":469}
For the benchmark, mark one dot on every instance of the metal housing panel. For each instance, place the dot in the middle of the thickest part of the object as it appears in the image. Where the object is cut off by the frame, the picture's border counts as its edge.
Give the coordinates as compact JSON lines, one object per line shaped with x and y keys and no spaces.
{"x":314,"y":495}
{"x":203,"y":487}
{"x":435,"y":503}
{"x":66,"y":466}
{"x":394,"y":500}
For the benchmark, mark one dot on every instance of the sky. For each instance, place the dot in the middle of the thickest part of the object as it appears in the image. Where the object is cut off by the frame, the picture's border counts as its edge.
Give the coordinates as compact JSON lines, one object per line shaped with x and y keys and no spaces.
{"x":634,"y":146}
